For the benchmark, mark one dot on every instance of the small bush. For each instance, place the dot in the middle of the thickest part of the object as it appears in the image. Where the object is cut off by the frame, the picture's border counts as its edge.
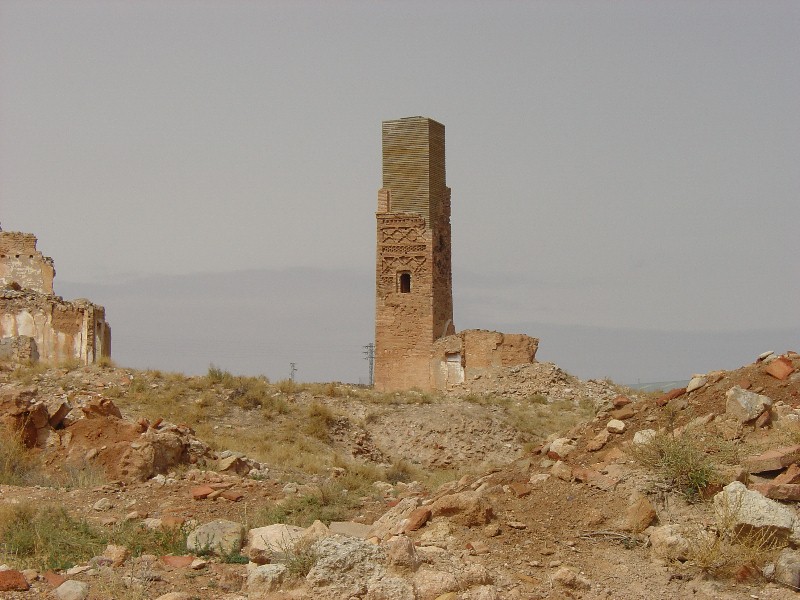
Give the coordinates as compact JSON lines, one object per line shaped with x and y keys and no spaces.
{"x":319,"y":419}
{"x":47,"y":537}
{"x":17,"y":463}
{"x":140,"y":540}
{"x":302,"y":511}
{"x":300,"y":559}
{"x":679,"y":462}
{"x":733,"y":551}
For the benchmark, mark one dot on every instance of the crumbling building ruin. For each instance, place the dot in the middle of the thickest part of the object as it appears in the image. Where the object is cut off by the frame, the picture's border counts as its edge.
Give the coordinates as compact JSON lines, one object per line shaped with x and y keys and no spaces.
{"x":416,"y":344}
{"x":35,"y":324}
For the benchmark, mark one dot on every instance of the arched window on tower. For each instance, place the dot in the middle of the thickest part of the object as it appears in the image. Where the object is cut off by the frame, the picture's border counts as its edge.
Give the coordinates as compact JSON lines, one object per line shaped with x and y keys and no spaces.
{"x":404,"y":282}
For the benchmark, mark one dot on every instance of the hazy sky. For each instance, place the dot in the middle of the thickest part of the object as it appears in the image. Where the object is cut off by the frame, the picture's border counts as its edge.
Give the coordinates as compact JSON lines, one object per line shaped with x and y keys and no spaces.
{"x":624,"y":175}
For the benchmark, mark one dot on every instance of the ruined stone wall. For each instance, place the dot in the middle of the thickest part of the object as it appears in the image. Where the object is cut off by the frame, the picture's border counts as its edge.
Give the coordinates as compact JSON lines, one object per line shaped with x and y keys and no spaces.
{"x":475,"y":352}
{"x":414,"y":304}
{"x":21,"y":263}
{"x":61,"y":330}
{"x":21,"y":350}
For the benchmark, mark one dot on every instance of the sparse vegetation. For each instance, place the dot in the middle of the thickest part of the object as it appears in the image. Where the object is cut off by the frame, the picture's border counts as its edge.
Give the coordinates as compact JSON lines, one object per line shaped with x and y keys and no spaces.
{"x":727,"y":551}
{"x":17,"y":465}
{"x":679,"y":461}
{"x":46,"y":537}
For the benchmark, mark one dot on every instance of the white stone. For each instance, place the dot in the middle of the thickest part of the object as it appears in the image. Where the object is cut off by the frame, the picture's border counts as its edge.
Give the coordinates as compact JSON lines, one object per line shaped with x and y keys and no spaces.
{"x":696,"y":383}
{"x":764,"y":355}
{"x":744,"y":508}
{"x":615,"y":426}
{"x":745,"y":405}
{"x":644,"y":436}
{"x":219,"y":537}
{"x":103,"y":504}
{"x":265,"y":578}
{"x":273,"y":539}
{"x":72,"y":590}
{"x":669,"y":542}
{"x":563,"y":446}
{"x":787,"y":568}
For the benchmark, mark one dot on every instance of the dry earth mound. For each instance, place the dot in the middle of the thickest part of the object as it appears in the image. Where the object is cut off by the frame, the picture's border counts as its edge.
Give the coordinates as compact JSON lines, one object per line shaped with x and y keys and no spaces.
{"x":691,"y":494}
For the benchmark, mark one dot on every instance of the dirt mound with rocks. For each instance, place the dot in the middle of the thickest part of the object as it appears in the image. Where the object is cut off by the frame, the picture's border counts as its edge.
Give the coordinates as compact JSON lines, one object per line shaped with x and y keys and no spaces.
{"x":692,"y":493}
{"x":542,"y":379}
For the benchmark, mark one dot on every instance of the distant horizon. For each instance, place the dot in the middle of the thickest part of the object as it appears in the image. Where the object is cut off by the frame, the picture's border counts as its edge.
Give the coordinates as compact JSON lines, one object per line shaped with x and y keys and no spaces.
{"x":150,"y":329}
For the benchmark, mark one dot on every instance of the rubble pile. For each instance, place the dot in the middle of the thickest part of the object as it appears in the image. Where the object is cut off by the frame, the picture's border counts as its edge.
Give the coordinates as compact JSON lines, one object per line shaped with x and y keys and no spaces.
{"x":580,"y":516}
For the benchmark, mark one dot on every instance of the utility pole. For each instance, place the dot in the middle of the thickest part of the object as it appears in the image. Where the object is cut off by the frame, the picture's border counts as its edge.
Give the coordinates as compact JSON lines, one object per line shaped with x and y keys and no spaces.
{"x":294,"y":370}
{"x":369,"y":354}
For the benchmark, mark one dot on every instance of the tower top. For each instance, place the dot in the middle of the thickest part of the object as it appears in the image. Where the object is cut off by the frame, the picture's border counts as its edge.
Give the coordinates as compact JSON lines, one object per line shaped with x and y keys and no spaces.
{"x":414,"y":165}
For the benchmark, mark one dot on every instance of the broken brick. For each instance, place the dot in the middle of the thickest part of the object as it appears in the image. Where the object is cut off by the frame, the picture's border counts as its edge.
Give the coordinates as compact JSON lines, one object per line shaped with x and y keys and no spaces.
{"x":773,"y":460}
{"x":201,"y":492}
{"x":417,"y":519}
{"x":778,"y":491}
{"x":790,"y":475}
{"x":780,"y":368}
{"x":671,"y":395}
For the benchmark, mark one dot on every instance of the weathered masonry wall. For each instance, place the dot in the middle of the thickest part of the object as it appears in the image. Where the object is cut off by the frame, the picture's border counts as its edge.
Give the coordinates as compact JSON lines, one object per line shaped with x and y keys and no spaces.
{"x":35,"y":324}
{"x":474,"y":352}
{"x":23,"y":264}
{"x":61,"y":330}
{"x":414,"y":303}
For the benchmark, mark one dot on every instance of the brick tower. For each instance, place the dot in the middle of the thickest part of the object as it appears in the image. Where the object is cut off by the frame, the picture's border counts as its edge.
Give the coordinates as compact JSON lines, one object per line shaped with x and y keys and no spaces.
{"x":413,"y":287}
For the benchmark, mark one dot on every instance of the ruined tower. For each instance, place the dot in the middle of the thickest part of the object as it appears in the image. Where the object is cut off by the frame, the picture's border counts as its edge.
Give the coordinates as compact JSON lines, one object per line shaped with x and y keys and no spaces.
{"x":414,"y":297}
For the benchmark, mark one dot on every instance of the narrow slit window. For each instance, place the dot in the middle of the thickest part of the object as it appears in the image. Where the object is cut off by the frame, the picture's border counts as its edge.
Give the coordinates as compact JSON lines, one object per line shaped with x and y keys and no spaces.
{"x":405,"y":283}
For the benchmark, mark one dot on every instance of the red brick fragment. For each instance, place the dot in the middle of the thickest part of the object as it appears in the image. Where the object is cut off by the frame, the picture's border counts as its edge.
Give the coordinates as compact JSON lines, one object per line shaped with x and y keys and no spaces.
{"x":13,"y":581}
{"x":54,"y":579}
{"x":417,"y":519}
{"x":745,"y":383}
{"x":201,"y":492}
{"x":773,"y":460}
{"x":671,"y":395}
{"x":778,"y":491}
{"x":764,"y":419}
{"x":232,"y":495}
{"x":620,"y":401}
{"x":179,"y":562}
{"x":790,"y":475}
{"x":780,"y":368}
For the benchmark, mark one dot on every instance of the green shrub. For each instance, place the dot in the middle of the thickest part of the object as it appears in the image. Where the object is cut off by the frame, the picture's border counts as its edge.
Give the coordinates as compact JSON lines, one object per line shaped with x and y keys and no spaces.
{"x":17,"y":463}
{"x":47,"y":537}
{"x":679,"y":461}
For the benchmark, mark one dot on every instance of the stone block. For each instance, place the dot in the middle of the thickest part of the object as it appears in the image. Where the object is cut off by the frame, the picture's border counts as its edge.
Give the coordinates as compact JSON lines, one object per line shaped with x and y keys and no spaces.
{"x":615,"y":426}
{"x":773,"y":460}
{"x":787,"y":568}
{"x":351,"y":529}
{"x":752,"y":513}
{"x":639,"y":515}
{"x":598,"y":441}
{"x":744,"y":405}
{"x":218,"y":537}
{"x":626,"y":412}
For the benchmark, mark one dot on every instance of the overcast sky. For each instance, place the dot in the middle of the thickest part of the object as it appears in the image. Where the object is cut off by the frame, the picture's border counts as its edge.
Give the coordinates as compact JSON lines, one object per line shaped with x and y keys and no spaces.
{"x":624,"y":175}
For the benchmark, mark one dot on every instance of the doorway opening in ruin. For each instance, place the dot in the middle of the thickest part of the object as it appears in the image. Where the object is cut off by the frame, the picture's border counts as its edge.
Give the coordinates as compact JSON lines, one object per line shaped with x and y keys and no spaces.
{"x":455,"y":370}
{"x":405,"y":283}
